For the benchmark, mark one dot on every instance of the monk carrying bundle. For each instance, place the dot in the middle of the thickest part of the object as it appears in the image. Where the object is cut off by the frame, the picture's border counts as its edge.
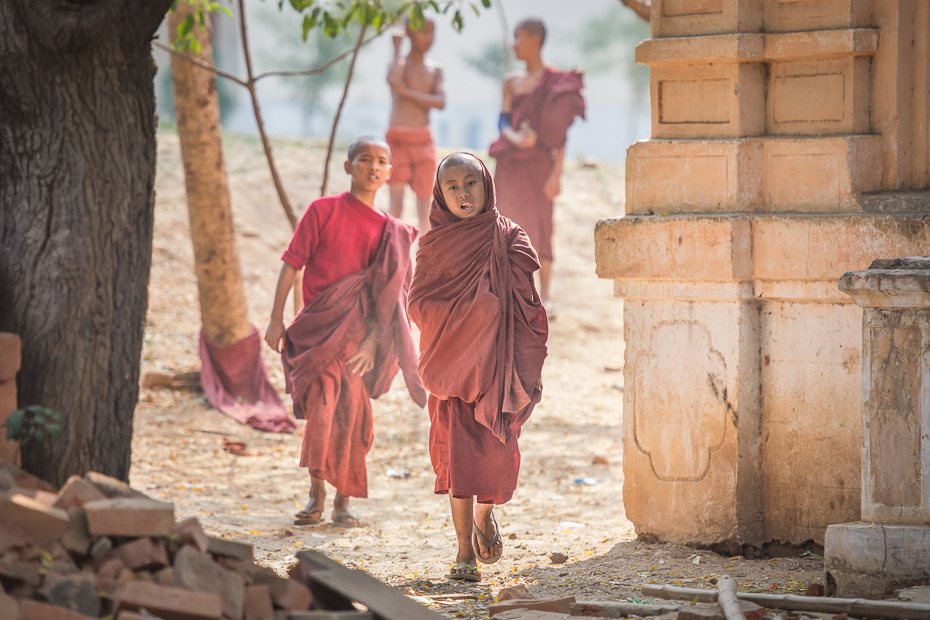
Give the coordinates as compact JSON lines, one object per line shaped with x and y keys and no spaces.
{"x":352,"y":335}
{"x":483,"y":336}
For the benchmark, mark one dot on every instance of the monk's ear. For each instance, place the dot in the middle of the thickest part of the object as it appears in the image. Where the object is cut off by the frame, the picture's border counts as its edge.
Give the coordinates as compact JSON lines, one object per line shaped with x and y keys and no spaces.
{"x":390,"y":171}
{"x":348,"y":167}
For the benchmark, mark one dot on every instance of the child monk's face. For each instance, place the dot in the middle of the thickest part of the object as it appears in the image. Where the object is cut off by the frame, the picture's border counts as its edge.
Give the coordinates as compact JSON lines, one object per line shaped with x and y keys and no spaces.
{"x":463,"y":189}
{"x":525,"y":45}
{"x":421,"y":40}
{"x":370,"y":167}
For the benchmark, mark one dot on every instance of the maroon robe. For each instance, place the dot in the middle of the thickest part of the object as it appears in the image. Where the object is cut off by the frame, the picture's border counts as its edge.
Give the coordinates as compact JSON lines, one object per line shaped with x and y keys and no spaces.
{"x":483,"y":336}
{"x":327,"y":332}
{"x":521,"y":174}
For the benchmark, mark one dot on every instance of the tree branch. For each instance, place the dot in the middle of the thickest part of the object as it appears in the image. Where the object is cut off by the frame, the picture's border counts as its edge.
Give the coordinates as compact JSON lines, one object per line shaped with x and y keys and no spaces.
{"x":199,"y":63}
{"x":345,"y":93}
{"x":322,"y":67}
{"x":641,"y":7}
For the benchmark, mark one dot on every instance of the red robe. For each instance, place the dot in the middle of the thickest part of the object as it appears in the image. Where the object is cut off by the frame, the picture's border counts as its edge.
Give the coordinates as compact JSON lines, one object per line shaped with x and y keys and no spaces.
{"x":329,"y":330}
{"x":482,"y":344}
{"x":521,"y":174}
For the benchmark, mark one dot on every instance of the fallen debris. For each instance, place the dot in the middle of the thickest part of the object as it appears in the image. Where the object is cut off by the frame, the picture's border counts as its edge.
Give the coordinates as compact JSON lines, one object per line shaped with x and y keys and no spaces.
{"x":180,"y":381}
{"x":100,"y":549}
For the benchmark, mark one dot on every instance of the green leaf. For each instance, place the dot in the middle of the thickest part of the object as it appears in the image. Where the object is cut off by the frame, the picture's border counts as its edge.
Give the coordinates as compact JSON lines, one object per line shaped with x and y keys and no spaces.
{"x":14,"y":425}
{"x":417,"y":20}
{"x":55,"y":431}
{"x":474,"y":7}
{"x":309,"y":24}
{"x":457,"y":22}
{"x":185,"y":27}
{"x":40,"y":435}
{"x":486,"y":3}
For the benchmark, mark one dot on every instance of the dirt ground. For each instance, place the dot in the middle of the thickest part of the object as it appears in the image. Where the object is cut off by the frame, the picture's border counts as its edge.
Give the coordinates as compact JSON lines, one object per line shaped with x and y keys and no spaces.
{"x":570,"y":496}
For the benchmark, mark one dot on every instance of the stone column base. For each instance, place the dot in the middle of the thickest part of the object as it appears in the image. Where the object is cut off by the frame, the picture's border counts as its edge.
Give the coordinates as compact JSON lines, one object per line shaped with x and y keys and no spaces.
{"x":870,"y":560}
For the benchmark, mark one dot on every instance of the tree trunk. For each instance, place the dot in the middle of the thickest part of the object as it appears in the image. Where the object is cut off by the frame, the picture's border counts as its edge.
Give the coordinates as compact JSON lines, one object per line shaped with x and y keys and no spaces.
{"x":77,"y":172}
{"x":196,"y":106}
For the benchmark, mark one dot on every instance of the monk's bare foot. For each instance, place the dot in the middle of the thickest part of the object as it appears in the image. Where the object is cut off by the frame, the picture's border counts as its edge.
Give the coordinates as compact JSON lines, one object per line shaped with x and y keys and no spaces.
{"x":313,"y":511}
{"x":487,"y":540}
{"x":342,"y":514}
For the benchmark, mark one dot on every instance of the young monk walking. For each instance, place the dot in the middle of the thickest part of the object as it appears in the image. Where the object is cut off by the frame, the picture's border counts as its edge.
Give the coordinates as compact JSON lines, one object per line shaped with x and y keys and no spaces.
{"x":483,"y":336}
{"x":352,"y":335}
{"x":416,"y":88}
{"x":539,"y":106}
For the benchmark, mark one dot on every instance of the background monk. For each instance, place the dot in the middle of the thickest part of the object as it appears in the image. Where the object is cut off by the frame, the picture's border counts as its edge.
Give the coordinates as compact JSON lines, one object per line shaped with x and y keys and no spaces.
{"x":416,"y":88}
{"x":347,"y":343}
{"x":482,"y":344}
{"x":539,"y":106}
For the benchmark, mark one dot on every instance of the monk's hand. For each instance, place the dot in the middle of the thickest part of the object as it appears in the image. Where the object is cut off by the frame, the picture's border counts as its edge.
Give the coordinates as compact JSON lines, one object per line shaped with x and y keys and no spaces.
{"x":275,"y":334}
{"x":364,"y":359}
{"x":396,"y":74}
{"x":552,"y":187}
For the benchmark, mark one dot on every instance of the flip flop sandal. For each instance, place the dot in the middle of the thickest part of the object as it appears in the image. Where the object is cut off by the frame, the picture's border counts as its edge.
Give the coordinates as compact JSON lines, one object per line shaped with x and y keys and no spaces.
{"x":306,"y":521}
{"x":474,"y":575}
{"x":477,"y":534}
{"x":345,"y":520}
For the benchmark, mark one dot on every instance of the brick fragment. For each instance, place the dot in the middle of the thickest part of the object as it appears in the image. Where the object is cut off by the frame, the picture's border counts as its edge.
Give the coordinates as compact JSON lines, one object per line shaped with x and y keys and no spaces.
{"x":129,"y":517}
{"x":530,"y":614}
{"x":43,"y":524}
{"x":113,"y":488}
{"x":73,"y":592}
{"x":34,"y":610}
{"x":198,"y":571}
{"x":715,"y":612}
{"x":11,"y":355}
{"x":292,"y":595}
{"x":167,"y":603}
{"x":111,"y":568}
{"x":25,"y":480}
{"x":76,"y":493}
{"x":191,"y":533}
{"x":258,"y":604}
{"x":814,"y":589}
{"x":229,"y":549}
{"x":101,"y":547}
{"x":13,"y":537}
{"x":553,"y":605}
{"x":514,"y":592}
{"x":142,"y":553}
{"x":165,"y":576}
{"x":76,"y":538}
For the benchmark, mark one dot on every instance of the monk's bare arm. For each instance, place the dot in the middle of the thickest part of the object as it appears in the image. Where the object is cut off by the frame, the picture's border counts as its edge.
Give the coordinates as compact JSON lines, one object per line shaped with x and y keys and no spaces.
{"x":275,"y":332}
{"x":364,"y":359}
{"x":435,"y":99}
{"x":553,"y":183}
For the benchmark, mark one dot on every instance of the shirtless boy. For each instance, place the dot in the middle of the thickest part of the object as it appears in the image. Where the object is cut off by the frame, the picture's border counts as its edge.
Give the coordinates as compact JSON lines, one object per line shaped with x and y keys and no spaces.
{"x":345,"y":346}
{"x":539,"y":105}
{"x":416,"y":88}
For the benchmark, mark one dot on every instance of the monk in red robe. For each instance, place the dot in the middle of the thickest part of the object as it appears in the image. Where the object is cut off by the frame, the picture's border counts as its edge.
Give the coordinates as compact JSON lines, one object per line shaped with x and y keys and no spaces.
{"x":483,"y":336}
{"x":352,"y":335}
{"x":539,"y":106}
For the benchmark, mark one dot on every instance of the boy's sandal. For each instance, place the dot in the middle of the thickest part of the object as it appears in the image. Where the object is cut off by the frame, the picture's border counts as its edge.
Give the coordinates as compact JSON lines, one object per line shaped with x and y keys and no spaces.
{"x":471,"y":575}
{"x":309,"y":520}
{"x":487,"y":542}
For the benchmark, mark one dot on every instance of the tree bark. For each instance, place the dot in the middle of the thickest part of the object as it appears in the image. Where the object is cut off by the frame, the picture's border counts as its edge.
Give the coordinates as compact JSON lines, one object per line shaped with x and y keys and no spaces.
{"x":196,"y":105}
{"x":77,"y":172}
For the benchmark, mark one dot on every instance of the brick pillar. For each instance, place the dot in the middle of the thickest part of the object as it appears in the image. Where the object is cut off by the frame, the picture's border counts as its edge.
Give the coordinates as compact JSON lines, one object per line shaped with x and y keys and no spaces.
{"x":10,"y":358}
{"x":890,"y":548}
{"x":775,"y":165}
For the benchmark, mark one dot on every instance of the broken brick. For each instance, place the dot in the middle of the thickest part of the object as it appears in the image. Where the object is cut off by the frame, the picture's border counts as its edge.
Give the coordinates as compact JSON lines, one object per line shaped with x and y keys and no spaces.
{"x":191,"y":532}
{"x":714,"y":612}
{"x":113,"y":488}
{"x":34,"y":610}
{"x":258,"y":604}
{"x":76,"y":538}
{"x":111,"y":568}
{"x":167,"y":603}
{"x":292,"y":595}
{"x":129,"y":517}
{"x":13,"y":537}
{"x":43,"y":524}
{"x":141,"y":553}
{"x":76,"y":493}
{"x":531,"y":614}
{"x":553,"y":605}
{"x":229,"y":549}
{"x":197,"y":571}
{"x":165,"y":576}
{"x":514,"y":592}
{"x":73,"y":592}
{"x":814,"y":589}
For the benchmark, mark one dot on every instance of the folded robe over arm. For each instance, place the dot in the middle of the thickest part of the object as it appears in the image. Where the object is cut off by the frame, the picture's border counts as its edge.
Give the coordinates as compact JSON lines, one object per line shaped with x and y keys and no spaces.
{"x":483,"y":337}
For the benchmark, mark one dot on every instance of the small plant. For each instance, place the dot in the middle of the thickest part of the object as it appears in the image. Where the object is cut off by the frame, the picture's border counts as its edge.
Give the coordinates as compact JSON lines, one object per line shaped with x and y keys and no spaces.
{"x":34,"y":423}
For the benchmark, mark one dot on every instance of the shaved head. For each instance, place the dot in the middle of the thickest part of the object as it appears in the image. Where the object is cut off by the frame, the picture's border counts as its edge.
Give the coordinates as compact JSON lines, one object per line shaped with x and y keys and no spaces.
{"x":460,"y":159}
{"x":358,"y":143}
{"x":533,"y":26}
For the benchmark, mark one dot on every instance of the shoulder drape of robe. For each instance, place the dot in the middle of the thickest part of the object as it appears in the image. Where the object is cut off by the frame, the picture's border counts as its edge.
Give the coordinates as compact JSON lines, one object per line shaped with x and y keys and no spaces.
{"x":324,"y":327}
{"x":482,"y":326}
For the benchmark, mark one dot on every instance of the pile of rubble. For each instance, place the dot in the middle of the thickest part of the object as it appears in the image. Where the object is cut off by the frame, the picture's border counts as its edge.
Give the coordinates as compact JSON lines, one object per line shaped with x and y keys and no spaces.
{"x":99,"y":549}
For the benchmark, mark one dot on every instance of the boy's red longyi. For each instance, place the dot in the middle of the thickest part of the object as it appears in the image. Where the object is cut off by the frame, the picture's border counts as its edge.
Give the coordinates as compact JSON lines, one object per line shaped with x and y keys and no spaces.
{"x":483,"y":337}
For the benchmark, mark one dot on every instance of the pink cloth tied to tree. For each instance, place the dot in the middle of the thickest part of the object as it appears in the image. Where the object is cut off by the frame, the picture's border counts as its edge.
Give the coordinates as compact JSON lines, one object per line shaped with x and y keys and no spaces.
{"x":235,"y":381}
{"x":325,"y":326}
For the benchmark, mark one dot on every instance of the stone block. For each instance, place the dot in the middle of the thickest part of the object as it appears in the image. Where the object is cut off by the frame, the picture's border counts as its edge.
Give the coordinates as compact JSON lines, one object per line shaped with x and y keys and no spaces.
{"x":191,"y":532}
{"x":72,"y":592}
{"x":257,"y":603}
{"x":113,"y":488}
{"x":229,"y":549}
{"x":76,"y":493}
{"x":8,"y":448}
{"x":129,"y":517}
{"x":42,"y":523}
{"x":11,"y":354}
{"x":76,"y":538}
{"x":872,"y":560}
{"x":142,"y":553}
{"x":553,"y":605}
{"x":34,"y":610}
{"x":291,"y":594}
{"x":677,"y":18}
{"x":167,"y":603}
{"x":714,"y":100}
{"x":789,"y":15}
{"x":197,"y":571}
